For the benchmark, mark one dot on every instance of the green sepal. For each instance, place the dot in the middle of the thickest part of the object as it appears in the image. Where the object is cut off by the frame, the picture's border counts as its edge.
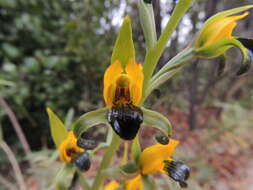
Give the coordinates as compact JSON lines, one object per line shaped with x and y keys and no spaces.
{"x":88,"y":120}
{"x":136,"y":149}
{"x":148,"y":182}
{"x":57,"y":128}
{"x":123,"y":49}
{"x":220,"y":47}
{"x":123,"y":173}
{"x":157,"y":120}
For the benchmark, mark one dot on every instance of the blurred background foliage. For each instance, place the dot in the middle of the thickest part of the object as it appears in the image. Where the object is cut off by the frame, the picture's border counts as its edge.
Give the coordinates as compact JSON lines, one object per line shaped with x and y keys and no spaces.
{"x":53,"y":54}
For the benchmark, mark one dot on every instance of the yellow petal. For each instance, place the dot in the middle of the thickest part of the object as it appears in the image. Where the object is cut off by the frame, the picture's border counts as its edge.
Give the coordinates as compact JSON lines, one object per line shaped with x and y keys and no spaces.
{"x":135,"y":73}
{"x":111,"y":186}
{"x":219,"y":29}
{"x":134,"y":184}
{"x":110,"y":77}
{"x":68,"y":148}
{"x":151,"y":159}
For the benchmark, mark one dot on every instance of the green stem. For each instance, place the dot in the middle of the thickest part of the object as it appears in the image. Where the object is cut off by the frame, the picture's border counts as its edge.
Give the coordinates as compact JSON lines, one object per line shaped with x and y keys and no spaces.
{"x":155,"y":53}
{"x":83,"y":181}
{"x":106,"y":162}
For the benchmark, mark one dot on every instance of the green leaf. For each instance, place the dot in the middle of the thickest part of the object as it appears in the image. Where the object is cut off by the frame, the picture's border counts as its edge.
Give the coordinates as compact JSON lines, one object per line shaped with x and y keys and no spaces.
{"x":123,"y":173}
{"x":123,"y":49}
{"x":148,"y":23}
{"x":6,"y":83}
{"x":58,"y":131}
{"x":90,"y":119}
{"x":157,"y":120}
{"x":8,"y":3}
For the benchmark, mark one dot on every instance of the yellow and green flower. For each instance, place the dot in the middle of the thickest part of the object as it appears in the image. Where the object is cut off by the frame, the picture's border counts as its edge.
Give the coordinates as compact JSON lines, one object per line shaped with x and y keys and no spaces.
{"x":216,"y":37}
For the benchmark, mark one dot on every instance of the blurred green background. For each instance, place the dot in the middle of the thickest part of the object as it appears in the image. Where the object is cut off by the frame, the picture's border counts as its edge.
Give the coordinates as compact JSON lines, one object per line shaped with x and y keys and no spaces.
{"x":53,"y":54}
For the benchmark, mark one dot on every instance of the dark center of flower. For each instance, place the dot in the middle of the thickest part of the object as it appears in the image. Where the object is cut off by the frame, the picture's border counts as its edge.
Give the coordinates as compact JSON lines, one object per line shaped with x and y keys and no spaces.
{"x":71,"y":152}
{"x":122,"y":92}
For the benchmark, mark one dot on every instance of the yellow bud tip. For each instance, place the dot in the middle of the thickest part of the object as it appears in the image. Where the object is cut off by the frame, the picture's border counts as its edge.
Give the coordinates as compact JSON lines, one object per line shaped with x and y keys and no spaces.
{"x":127,"y":19}
{"x":49,"y":110}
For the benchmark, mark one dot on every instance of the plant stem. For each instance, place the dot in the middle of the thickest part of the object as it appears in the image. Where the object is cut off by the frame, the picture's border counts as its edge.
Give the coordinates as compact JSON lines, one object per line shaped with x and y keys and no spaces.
{"x":7,"y":183}
{"x":83,"y":181}
{"x":14,"y":164}
{"x":106,"y":161}
{"x":16,"y":127}
{"x":155,"y":53}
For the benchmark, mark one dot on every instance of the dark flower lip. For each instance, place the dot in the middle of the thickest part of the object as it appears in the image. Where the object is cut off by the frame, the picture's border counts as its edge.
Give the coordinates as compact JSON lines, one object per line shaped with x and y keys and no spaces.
{"x":82,"y":161}
{"x":178,"y":171}
{"x":125,"y":120}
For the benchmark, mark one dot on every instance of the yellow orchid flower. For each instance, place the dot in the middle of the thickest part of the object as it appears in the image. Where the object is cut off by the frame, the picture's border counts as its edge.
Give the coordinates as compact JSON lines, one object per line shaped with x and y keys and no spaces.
{"x":216,"y":37}
{"x":68,"y":148}
{"x":123,"y":81}
{"x":218,"y":29}
{"x":152,"y":158}
{"x":113,"y":185}
{"x":123,"y":85}
{"x":157,"y":158}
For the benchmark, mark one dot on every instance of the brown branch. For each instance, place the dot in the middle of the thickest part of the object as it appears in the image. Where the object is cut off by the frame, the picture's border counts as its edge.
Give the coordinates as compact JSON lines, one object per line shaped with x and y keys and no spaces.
{"x":17,"y":127}
{"x":14,"y":164}
{"x":6,"y":183}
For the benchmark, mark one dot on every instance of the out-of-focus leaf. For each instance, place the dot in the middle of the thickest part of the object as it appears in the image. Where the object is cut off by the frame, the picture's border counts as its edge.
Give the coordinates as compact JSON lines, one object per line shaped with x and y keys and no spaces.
{"x":58,"y":131}
{"x":10,"y":50}
{"x":8,"y":3}
{"x":6,"y":83}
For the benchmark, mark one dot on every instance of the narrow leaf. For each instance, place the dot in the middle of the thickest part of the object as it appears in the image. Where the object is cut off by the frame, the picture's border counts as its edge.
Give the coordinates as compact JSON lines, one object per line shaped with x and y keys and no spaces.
{"x":123,"y":49}
{"x":157,"y":120}
{"x":58,"y":131}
